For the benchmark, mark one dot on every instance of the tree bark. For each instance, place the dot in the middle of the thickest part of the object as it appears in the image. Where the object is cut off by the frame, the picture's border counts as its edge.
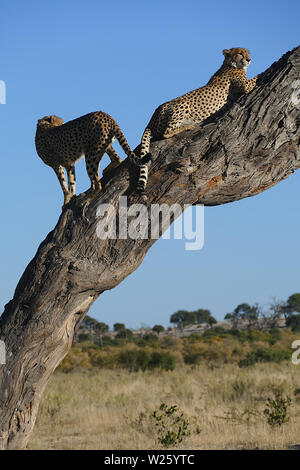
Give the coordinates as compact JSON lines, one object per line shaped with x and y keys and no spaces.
{"x":241,"y":151}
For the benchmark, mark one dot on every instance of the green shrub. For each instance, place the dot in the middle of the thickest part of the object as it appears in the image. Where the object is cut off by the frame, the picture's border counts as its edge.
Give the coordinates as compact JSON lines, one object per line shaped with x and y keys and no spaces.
{"x":252,"y":335}
{"x":218,"y":331}
{"x":171,"y":425}
{"x":193,"y":338}
{"x":293,"y":322}
{"x":150,"y":337}
{"x":275,"y":336}
{"x":124,"y":334}
{"x":277,"y":409}
{"x":264,"y":355}
{"x":133,"y":360}
{"x":162,"y":359}
{"x":84,"y":337}
{"x":192,"y":358}
{"x":108,"y":341}
{"x":140,"y":359}
{"x":168,"y":342}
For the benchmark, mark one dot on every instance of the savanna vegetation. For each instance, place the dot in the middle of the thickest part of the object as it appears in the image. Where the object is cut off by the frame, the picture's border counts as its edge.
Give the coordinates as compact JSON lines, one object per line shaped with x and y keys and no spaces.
{"x":250,"y":336}
{"x":229,"y":386}
{"x":215,"y":346}
{"x":223,"y":406}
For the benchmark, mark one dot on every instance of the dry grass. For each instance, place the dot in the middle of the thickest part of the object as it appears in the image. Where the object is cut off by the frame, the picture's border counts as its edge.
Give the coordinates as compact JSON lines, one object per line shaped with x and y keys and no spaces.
{"x":109,"y":409}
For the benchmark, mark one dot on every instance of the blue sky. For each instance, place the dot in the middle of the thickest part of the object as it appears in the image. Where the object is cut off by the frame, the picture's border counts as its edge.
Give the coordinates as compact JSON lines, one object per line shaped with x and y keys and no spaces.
{"x":125,"y":58}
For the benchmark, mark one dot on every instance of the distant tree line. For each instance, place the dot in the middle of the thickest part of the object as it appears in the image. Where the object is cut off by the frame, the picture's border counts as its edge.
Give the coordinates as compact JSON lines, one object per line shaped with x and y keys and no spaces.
{"x":251,"y":313}
{"x":217,"y":345}
{"x":290,"y":310}
{"x":92,"y":329}
{"x":183,"y":318}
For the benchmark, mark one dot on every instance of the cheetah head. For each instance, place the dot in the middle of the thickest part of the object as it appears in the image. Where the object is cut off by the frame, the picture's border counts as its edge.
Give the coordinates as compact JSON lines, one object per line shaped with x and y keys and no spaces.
{"x":50,"y":121}
{"x":237,"y":57}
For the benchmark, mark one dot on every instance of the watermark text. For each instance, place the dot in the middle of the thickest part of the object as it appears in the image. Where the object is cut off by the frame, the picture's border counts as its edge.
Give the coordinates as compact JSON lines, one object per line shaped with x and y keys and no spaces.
{"x":296,"y":345}
{"x":2,"y":92}
{"x":2,"y":353}
{"x":139,"y":221}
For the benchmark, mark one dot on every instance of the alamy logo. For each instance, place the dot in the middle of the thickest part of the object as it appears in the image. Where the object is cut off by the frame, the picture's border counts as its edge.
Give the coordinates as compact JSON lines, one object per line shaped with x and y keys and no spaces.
{"x":2,"y":353}
{"x":296,"y":345}
{"x":2,"y":92}
{"x":295,"y":98}
{"x":141,"y":222}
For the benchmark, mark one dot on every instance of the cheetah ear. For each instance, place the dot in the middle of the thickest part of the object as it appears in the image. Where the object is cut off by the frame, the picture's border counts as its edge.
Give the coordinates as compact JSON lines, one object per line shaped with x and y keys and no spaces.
{"x":45,"y":118}
{"x":226,"y":52}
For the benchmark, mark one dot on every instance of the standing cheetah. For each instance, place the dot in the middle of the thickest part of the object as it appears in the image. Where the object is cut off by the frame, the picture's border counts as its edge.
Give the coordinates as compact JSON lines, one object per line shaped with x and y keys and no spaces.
{"x":182,"y":113}
{"x":61,"y":145}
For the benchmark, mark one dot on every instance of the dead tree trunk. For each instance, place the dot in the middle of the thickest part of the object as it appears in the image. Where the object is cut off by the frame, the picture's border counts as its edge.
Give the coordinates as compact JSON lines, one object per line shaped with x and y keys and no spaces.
{"x":236,"y":154}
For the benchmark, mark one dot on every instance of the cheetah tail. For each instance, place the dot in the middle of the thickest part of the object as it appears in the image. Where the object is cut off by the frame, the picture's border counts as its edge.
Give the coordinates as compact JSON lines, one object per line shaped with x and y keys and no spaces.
{"x":146,"y":158}
{"x":124,"y":144}
{"x":142,"y":162}
{"x":143,"y":178}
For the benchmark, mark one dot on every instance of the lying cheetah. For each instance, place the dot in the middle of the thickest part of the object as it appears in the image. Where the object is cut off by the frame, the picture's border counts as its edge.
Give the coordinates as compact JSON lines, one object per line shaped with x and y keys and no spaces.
{"x":182,"y":113}
{"x":61,"y":145}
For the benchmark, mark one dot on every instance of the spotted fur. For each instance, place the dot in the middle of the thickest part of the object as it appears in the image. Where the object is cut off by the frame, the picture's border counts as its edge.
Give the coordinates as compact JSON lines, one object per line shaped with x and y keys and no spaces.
{"x":60,"y":145}
{"x":182,"y":113}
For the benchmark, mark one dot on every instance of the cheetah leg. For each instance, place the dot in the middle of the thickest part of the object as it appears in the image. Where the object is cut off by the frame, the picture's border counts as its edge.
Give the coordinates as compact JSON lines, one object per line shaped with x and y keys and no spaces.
{"x":115,"y":160}
{"x":245,"y":87}
{"x":92,"y":168}
{"x":251,"y":84}
{"x":62,"y":181}
{"x":71,"y":180}
{"x":174,"y":131}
